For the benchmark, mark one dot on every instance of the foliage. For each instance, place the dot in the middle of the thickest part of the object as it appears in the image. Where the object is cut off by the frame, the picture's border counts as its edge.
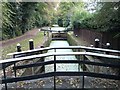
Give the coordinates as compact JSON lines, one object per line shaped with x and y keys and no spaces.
{"x":19,"y":17}
{"x":64,"y":12}
{"x":23,"y":16}
{"x":74,"y":12}
{"x":108,"y":18}
{"x":81,"y":17}
{"x":105,"y":18}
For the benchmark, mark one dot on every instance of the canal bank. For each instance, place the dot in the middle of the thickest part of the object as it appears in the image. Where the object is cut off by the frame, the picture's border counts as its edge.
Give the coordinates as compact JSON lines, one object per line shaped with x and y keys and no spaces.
{"x":96,"y":82}
{"x":75,"y":40}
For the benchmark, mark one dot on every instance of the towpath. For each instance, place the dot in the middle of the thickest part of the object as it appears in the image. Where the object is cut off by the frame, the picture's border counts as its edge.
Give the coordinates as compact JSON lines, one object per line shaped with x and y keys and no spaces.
{"x":29,"y":34}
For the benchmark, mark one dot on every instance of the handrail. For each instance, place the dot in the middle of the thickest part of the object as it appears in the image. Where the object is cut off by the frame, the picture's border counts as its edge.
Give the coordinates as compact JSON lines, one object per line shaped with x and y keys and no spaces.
{"x":66,"y":47}
{"x":50,"y":74}
{"x":58,"y":54}
{"x":83,"y":62}
{"x":67,"y":61}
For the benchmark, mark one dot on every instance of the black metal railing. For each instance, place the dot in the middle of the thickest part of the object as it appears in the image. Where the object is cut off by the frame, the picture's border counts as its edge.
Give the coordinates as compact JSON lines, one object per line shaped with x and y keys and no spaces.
{"x":7,"y":62}
{"x":41,"y":50}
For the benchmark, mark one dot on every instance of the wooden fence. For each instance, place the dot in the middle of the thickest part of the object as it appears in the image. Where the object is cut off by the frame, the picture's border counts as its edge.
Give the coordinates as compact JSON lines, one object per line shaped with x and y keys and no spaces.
{"x":90,"y":35}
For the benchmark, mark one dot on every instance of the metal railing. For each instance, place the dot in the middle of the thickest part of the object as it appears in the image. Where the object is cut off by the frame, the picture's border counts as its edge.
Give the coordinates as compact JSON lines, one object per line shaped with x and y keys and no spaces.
{"x":31,"y":56}
{"x":37,"y":51}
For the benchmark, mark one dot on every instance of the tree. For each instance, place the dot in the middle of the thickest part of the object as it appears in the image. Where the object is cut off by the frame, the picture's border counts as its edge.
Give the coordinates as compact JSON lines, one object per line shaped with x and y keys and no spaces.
{"x":107,"y":19}
{"x":19,"y":17}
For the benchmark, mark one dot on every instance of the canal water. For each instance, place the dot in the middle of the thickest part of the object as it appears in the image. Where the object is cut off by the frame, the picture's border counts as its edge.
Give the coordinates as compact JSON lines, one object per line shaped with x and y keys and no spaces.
{"x":61,"y":67}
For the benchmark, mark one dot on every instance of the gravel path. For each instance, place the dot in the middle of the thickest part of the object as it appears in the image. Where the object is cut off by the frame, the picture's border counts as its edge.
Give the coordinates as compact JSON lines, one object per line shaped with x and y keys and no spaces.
{"x":28,"y":34}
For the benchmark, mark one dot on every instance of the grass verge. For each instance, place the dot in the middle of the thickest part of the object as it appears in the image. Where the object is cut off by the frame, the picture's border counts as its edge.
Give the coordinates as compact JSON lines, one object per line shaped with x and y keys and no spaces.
{"x":38,"y":39}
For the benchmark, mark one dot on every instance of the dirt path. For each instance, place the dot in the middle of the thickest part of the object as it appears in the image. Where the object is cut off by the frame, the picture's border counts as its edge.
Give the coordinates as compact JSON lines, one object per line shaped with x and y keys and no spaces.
{"x":29,"y":34}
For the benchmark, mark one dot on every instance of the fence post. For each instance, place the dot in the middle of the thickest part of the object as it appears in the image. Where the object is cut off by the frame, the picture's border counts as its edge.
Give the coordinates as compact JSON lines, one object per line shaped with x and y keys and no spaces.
{"x":31,"y":44}
{"x":97,"y":43}
{"x":19,"y":47}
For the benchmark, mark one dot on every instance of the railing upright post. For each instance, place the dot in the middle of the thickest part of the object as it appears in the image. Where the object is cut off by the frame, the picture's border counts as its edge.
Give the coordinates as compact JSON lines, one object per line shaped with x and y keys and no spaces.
{"x":14,"y":66}
{"x":78,"y":60}
{"x":54,"y":50}
{"x":42,"y":59}
{"x":83,"y":71}
{"x":54,"y":72}
{"x":5,"y":76}
{"x":15,"y":70}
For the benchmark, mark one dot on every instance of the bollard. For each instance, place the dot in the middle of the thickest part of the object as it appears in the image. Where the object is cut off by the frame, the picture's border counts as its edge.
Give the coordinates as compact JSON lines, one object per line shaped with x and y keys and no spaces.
{"x":108,"y":47}
{"x":31,"y":45}
{"x":19,"y":48}
{"x":76,"y":35}
{"x":96,"y":43}
{"x":91,"y":46}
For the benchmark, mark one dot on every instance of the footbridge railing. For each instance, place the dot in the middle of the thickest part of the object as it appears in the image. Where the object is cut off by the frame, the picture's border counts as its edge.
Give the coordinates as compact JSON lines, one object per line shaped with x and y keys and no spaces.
{"x":83,"y":62}
{"x":42,"y":50}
